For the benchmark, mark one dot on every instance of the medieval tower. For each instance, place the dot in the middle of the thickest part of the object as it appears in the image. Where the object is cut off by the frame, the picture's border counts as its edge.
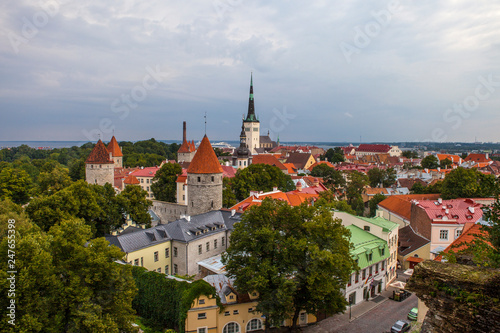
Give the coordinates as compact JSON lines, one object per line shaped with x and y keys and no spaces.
{"x":242,"y":156}
{"x":116,"y":152}
{"x":204,"y":180}
{"x":252,"y":124}
{"x":187,"y":149}
{"x":99,"y":166}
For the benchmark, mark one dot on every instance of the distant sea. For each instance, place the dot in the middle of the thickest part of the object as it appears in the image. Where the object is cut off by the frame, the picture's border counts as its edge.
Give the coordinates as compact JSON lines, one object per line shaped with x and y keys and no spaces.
{"x":69,"y":144}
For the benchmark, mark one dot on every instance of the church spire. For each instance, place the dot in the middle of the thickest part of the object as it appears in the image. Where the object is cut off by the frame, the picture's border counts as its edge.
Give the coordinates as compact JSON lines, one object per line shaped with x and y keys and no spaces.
{"x":251,"y":107}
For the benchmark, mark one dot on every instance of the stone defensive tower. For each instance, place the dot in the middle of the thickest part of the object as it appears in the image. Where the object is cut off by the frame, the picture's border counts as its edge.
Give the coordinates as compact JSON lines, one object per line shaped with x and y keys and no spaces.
{"x":187,"y":149}
{"x":204,"y":180}
{"x":99,"y":167}
{"x":116,"y":152}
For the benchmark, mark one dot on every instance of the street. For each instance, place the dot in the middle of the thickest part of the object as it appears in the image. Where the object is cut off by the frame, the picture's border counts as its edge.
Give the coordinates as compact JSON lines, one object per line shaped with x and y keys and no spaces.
{"x":378,"y":320}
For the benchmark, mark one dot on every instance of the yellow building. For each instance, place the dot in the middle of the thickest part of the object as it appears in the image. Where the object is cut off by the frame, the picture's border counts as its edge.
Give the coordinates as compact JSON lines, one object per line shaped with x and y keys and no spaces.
{"x":239,"y":313}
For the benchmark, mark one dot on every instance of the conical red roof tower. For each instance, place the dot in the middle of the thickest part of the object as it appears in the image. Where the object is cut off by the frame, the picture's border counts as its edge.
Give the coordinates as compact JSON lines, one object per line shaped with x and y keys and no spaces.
{"x":114,"y":148}
{"x":99,"y":155}
{"x":205,"y":160}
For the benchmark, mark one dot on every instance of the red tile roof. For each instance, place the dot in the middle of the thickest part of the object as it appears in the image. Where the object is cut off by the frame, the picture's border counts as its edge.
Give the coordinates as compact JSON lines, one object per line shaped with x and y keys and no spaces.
{"x":469,"y":234}
{"x":454,"y":158}
{"x":114,"y":148}
{"x":268,"y":159}
{"x":228,"y":171}
{"x":187,"y":147}
{"x":146,"y":172}
{"x":205,"y":160}
{"x":477,"y":158}
{"x":131,"y":180}
{"x":293,"y":198}
{"x":99,"y":155}
{"x":452,"y":211}
{"x":373,"y":148}
{"x":290,"y":167}
{"x":401,"y":204}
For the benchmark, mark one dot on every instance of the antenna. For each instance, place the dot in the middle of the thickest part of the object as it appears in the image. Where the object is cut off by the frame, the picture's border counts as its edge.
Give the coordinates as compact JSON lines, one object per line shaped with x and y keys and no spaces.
{"x":205,"y":123}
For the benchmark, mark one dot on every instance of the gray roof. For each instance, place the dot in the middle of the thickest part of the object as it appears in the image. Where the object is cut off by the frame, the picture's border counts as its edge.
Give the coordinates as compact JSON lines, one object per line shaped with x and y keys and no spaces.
{"x":182,"y":230}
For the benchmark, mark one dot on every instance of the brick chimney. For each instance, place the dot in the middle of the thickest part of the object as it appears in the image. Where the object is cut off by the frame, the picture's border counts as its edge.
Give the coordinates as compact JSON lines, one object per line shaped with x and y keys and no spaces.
{"x":299,"y":186}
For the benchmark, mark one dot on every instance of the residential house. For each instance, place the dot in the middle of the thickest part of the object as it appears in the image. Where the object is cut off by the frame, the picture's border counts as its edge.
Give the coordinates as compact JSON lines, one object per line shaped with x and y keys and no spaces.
{"x":269,"y":159}
{"x":412,"y":248}
{"x":442,"y":221}
{"x":301,"y":161}
{"x":239,"y":313}
{"x":397,"y":208}
{"x":383,"y":229}
{"x":371,"y":253}
{"x":145,"y":177}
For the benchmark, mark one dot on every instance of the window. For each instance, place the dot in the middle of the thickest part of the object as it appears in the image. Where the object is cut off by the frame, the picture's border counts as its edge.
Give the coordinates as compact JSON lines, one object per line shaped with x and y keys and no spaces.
{"x":350,"y":280}
{"x":199,"y":249}
{"x":159,"y":270}
{"x":458,"y":233}
{"x":156,"y":255}
{"x":147,"y":181}
{"x":376,"y":268}
{"x":142,"y":261}
{"x":201,"y":301}
{"x":382,"y":265}
{"x":142,"y":180}
{"x":175,"y":269}
{"x":199,"y":179}
{"x":147,"y":188}
{"x":235,"y":312}
{"x":202,"y":315}
{"x":302,"y":317}
{"x":183,"y":197}
{"x":202,"y":330}
{"x":364,"y":274}
{"x":382,"y":252}
{"x":167,"y":253}
{"x":175,"y":252}
{"x":370,"y":257}
{"x":443,"y":234}
{"x":227,"y":313}
{"x":231,"y":297}
{"x":215,"y":243}
{"x":166,"y":269}
{"x":366,"y":228}
{"x":208,"y":246}
{"x":213,"y":178}
{"x":222,"y":243}
{"x":136,"y":262}
{"x":352,"y":298}
{"x":254,"y":325}
{"x":357,"y":277}
{"x":231,"y":328}
{"x":250,"y":309}
{"x":370,"y":271}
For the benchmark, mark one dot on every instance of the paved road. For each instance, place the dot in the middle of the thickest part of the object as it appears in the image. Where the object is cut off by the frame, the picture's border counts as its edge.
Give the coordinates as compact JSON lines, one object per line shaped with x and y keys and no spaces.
{"x":377,"y":320}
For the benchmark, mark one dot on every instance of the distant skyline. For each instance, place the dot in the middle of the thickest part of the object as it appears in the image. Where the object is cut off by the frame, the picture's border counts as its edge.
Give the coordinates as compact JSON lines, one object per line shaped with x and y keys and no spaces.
{"x":326,"y":71}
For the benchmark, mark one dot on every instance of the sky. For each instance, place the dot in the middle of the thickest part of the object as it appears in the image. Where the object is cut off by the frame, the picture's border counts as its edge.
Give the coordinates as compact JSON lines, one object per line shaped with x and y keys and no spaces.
{"x":377,"y":71}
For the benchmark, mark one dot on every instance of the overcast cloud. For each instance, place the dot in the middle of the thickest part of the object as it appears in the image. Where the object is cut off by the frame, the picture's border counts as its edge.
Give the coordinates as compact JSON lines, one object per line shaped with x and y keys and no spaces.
{"x":322,"y":70}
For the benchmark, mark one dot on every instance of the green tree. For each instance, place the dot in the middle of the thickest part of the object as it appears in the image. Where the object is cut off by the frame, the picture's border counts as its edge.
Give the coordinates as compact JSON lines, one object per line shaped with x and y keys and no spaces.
{"x":446,"y":163}
{"x":68,"y":282}
{"x":384,"y":177}
{"x":418,"y":188}
{"x":228,"y":196}
{"x":53,"y":181}
{"x":328,"y":200}
{"x":373,"y":203}
{"x":77,"y":169}
{"x":296,"y":258}
{"x":332,"y":178}
{"x":468,"y":183}
{"x":335,"y":155}
{"x":134,"y":202}
{"x":259,"y":177}
{"x":15,"y":184}
{"x":12,"y":211}
{"x":356,"y":182}
{"x":430,"y":162}
{"x":164,"y":182}
{"x":410,"y":154}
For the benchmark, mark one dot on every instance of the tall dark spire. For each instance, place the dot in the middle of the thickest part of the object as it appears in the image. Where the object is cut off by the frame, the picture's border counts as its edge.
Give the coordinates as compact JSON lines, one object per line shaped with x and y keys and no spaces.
{"x":251,"y":107}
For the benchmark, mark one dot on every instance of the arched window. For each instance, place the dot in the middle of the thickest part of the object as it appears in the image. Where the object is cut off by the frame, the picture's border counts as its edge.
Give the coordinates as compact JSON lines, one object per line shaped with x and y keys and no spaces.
{"x":231,"y":327}
{"x":254,"y":325}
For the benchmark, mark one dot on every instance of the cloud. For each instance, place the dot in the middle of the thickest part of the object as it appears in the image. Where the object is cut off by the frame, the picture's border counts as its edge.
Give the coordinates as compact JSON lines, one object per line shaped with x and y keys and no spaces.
{"x":68,"y":73}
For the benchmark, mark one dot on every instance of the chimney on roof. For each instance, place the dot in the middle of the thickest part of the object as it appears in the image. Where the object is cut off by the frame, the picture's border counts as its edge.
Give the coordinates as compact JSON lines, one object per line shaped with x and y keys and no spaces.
{"x":471,"y":209}
{"x":299,"y":186}
{"x":440,"y":201}
{"x":233,"y":211}
{"x":487,"y":155}
{"x":315,"y":182}
{"x":275,"y":189}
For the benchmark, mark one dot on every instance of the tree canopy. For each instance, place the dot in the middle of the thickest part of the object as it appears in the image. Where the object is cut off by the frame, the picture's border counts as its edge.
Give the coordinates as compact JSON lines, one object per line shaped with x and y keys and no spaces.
{"x":296,"y":258}
{"x":384,"y":177}
{"x":258,"y":177}
{"x":356,"y":182}
{"x":334,"y":155}
{"x":468,"y":183}
{"x":67,"y":282}
{"x":332,"y":178}
{"x":373,"y":203}
{"x":164,"y":185}
{"x":430,"y":162}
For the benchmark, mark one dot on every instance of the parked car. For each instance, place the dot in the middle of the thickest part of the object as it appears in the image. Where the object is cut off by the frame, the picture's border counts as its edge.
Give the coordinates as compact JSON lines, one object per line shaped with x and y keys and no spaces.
{"x":400,"y":326}
{"x":413,"y":314}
